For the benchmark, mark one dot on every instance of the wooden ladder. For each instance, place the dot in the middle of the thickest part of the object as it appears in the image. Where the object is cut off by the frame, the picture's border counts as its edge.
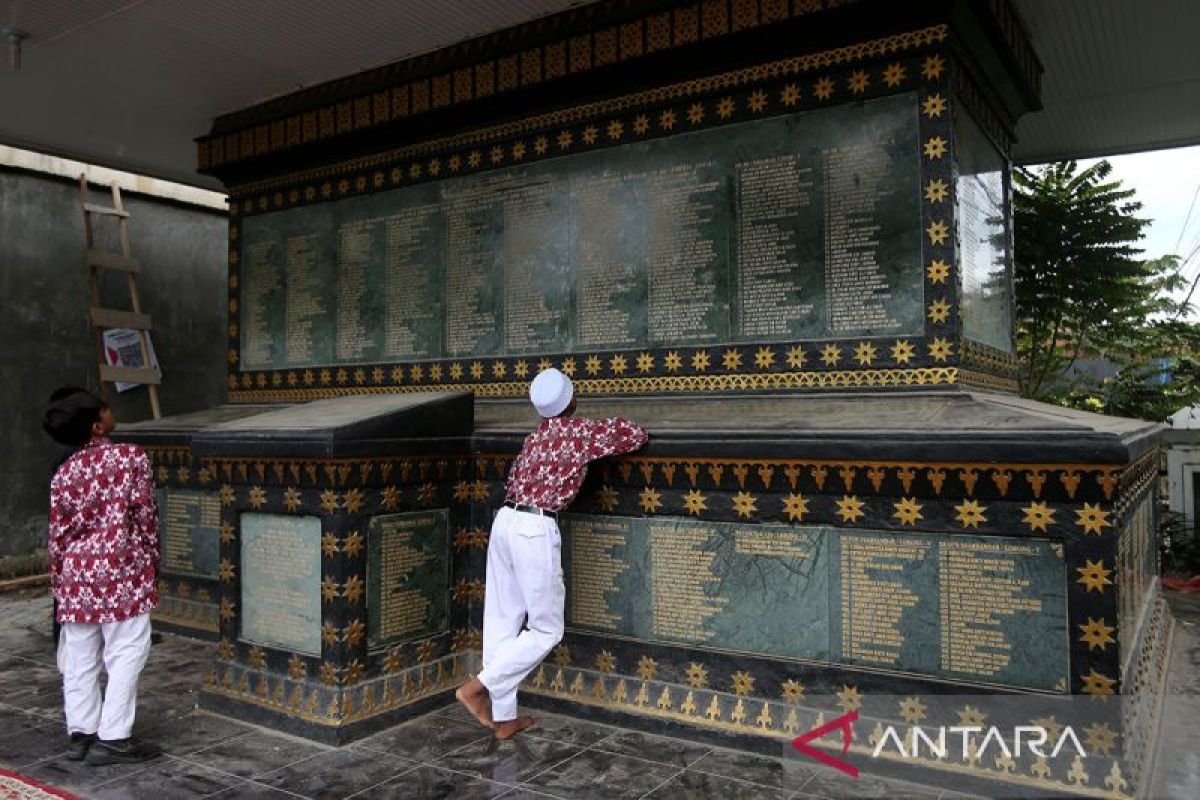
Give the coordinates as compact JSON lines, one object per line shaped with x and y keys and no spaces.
{"x":102,"y":318}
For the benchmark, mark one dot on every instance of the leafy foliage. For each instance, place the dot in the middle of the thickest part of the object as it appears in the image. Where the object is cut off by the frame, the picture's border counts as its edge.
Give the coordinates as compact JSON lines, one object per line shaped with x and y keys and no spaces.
{"x":1081,"y":289}
{"x":1180,"y":546}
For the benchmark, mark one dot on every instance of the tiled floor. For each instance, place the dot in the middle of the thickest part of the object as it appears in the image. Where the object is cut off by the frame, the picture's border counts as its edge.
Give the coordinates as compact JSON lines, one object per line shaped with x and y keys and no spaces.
{"x":441,"y":755}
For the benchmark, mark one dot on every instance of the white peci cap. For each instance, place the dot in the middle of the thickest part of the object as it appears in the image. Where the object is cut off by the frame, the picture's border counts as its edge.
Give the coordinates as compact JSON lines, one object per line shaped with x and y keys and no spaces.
{"x":551,"y":392}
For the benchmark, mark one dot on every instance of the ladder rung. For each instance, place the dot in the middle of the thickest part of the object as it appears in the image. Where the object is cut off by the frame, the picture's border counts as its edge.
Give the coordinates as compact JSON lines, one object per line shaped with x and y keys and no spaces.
{"x":101,"y":258}
{"x":111,"y":374}
{"x":113,"y":318}
{"x":92,"y":208}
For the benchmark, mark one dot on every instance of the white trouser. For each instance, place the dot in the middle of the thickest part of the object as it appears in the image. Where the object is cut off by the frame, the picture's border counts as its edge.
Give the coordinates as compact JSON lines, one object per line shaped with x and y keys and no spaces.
{"x":524,"y":588}
{"x":122,"y":649}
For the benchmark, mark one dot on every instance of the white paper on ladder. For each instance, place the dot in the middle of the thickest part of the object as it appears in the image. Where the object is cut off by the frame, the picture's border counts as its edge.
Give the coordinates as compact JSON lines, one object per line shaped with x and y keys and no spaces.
{"x":122,"y":349}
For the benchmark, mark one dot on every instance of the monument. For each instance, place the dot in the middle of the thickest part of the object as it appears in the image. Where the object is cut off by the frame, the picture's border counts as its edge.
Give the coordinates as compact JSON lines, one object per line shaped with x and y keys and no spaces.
{"x":775,"y":233}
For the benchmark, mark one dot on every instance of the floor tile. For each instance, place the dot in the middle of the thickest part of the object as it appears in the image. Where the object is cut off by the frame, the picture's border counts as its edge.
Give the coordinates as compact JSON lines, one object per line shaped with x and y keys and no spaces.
{"x":195,"y":731}
{"x":153,"y":717}
{"x":337,"y":773}
{"x":78,"y":776}
{"x":511,"y":761}
{"x":549,"y":726}
{"x":18,"y":674}
{"x":431,"y":783}
{"x":163,"y":778}
{"x":569,"y":729}
{"x":15,"y":721}
{"x":427,"y":738}
{"x":255,"y":754}
{"x":175,"y":675}
{"x":156,"y":703}
{"x":827,"y":783}
{"x":455,"y":711}
{"x":249,"y":790}
{"x":692,"y":785}
{"x":36,"y":744}
{"x":662,"y":749}
{"x":600,"y":776}
{"x":42,"y":696}
{"x":771,"y":772}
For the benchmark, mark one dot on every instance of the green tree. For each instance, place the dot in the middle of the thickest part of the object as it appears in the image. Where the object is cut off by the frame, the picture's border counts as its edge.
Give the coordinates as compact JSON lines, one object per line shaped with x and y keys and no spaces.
{"x":1165,"y":348}
{"x":1080,"y":285}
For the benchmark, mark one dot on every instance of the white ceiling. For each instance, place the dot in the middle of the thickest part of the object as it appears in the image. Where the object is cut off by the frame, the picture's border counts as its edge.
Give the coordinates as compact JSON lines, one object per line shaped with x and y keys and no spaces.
{"x":1121,"y":76}
{"x":130,"y":83}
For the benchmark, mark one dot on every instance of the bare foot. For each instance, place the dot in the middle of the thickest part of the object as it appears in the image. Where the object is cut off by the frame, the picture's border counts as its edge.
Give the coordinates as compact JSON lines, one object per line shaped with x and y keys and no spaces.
{"x":474,"y":696}
{"x":511,"y":727}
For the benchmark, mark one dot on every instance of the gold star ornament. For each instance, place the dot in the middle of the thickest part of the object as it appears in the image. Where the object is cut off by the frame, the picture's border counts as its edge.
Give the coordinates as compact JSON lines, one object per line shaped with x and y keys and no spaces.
{"x":1094,"y":576}
{"x":1096,"y":635}
{"x":849,"y":698}
{"x":970,"y":514}
{"x":939,"y":312}
{"x":1092,"y":519}
{"x":1038,"y":516}
{"x":850,"y":509}
{"x":938,"y":232}
{"x":908,"y":511}
{"x":744,"y":504}
{"x":795,"y":506}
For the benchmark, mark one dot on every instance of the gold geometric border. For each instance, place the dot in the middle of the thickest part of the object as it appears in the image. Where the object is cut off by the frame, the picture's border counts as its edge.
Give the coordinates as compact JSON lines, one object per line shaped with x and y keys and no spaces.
{"x":983,"y":380}
{"x":922,"y":376}
{"x":707,"y":708}
{"x":186,"y":613}
{"x":577,"y":54}
{"x":888,"y":45}
{"x":336,"y":705}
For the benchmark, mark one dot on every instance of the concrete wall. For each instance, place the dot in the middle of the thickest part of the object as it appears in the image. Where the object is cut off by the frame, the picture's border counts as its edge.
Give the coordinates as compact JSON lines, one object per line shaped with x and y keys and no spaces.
{"x":1183,"y":464}
{"x":45,"y":339}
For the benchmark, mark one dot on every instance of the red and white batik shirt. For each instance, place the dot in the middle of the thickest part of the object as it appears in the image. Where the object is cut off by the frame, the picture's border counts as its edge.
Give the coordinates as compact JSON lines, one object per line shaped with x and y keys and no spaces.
{"x":553,"y":463}
{"x":104,"y":549}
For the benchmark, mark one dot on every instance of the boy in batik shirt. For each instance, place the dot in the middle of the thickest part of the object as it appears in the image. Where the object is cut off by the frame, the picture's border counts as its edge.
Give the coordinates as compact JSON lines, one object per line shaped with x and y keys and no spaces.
{"x":104,"y":558}
{"x":523,"y":604}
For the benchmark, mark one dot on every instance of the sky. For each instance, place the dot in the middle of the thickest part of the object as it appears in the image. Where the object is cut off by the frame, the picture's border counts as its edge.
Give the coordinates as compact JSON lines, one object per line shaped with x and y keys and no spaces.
{"x":1168,"y":186}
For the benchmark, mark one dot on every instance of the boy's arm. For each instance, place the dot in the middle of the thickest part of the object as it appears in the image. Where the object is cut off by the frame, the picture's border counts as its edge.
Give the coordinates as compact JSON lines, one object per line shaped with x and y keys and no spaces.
{"x":616,"y":435}
{"x":143,"y":508}
{"x":59,"y":531}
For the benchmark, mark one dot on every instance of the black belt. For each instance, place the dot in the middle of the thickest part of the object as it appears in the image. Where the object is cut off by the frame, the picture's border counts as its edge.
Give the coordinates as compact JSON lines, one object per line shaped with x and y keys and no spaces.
{"x":531,"y":509}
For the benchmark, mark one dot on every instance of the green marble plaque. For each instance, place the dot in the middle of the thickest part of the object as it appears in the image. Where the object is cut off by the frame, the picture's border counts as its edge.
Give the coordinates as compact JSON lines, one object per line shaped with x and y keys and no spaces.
{"x":408,"y":575}
{"x":981,"y":608}
{"x":189,"y":529}
{"x":799,"y":226}
{"x":751,"y":588}
{"x":281,"y":581}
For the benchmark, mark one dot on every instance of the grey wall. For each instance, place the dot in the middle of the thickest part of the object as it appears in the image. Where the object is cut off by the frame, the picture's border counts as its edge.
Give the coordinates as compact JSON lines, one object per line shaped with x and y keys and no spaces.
{"x":45,"y":340}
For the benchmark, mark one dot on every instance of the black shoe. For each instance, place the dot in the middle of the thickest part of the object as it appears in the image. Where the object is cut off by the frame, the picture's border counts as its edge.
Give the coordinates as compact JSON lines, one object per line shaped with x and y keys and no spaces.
{"x":80,"y":744}
{"x":121,"y":751}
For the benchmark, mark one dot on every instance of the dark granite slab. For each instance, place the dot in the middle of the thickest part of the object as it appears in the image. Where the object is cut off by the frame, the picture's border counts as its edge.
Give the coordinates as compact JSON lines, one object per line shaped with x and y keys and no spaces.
{"x":940,"y":425}
{"x":165,"y":777}
{"x":601,"y":775}
{"x":180,"y":427}
{"x":337,"y":773}
{"x":688,"y":785}
{"x":431,"y":783}
{"x":319,"y":427}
